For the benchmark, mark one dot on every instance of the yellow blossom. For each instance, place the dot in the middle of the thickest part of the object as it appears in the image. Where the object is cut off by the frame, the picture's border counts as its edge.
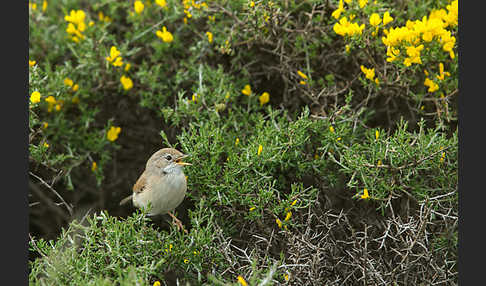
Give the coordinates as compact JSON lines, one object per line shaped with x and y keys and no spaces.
{"x":69,"y":82}
{"x":246,"y":90}
{"x":161,"y":3}
{"x":431,"y":84}
{"x":375,"y":19}
{"x":33,"y":6}
{"x":331,"y":129}
{"x":286,"y":277}
{"x":91,"y":23}
{"x":336,"y":13}
{"x":94,"y":166}
{"x":260,"y":148}
{"x":44,"y":6}
{"x":138,"y":6}
{"x":242,"y":281}
{"x":413,"y":54}
{"x":58,"y":107}
{"x":279,"y":222}
{"x":347,"y":48}
{"x":365,"y":194}
{"x":186,"y":260}
{"x":127,"y":66}
{"x":46,"y":145}
{"x":369,"y":73}
{"x":303,"y":82}
{"x":35,"y":97}
{"x":442,"y":74}
{"x":293,"y":203}
{"x":237,"y":141}
{"x":165,"y":35}
{"x":50,"y":99}
{"x":156,"y":283}
{"x":264,"y":98}
{"x":31,"y":63}
{"x":387,"y":18}
{"x":126,"y":82}
{"x":377,"y":134}
{"x":392,"y":53}
{"x":115,"y":57}
{"x":252,"y":4}
{"x":287,"y":217}
{"x":44,"y":125}
{"x":112,"y":133}
{"x":379,"y":163}
{"x":346,"y":28}
{"x":302,"y":75}
{"x":75,"y":87}
{"x":252,"y":208}
{"x":362,"y":3}
{"x":210,"y":37}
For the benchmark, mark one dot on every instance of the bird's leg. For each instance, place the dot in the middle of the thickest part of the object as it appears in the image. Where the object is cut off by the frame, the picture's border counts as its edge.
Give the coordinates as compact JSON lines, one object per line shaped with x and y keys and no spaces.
{"x":177,"y":222}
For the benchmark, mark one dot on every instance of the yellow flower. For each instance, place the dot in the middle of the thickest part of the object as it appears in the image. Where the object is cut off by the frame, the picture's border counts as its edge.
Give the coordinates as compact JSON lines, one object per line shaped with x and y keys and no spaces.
{"x":246,"y":90}
{"x":286,"y":277}
{"x":186,"y":260}
{"x":91,"y":23}
{"x":442,"y":74}
{"x":46,"y":145}
{"x":260,"y":148}
{"x":161,"y":3}
{"x":242,"y":281}
{"x":165,"y":35}
{"x":331,"y":129}
{"x":69,"y":82}
{"x":387,"y":18}
{"x":413,"y":55}
{"x":138,"y":6}
{"x":431,"y":84}
{"x":237,"y":141}
{"x":302,"y":75}
{"x":287,"y":217}
{"x":34,"y":6}
{"x":94,"y":166}
{"x":127,"y":66}
{"x":365,"y":194}
{"x":75,"y":87}
{"x":347,"y":48}
{"x":44,"y":6}
{"x":252,"y":208}
{"x":377,"y":134}
{"x":369,"y":73}
{"x":156,"y":283}
{"x":264,"y":98}
{"x":115,"y":57}
{"x":58,"y":107}
{"x":44,"y":125}
{"x":126,"y":82}
{"x":35,"y":97}
{"x":375,"y":19}
{"x":112,"y":134}
{"x":252,"y":4}
{"x":279,"y":222}
{"x":50,"y":99}
{"x":293,"y":203}
{"x":303,"y":82}
{"x":31,"y":63}
{"x":210,"y":36}
{"x":379,"y":163}
{"x":346,"y":28}
{"x":362,"y":3}
{"x":336,"y":13}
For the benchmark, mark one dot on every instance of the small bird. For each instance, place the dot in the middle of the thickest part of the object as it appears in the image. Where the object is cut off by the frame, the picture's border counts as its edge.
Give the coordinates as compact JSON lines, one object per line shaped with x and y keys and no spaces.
{"x":162,"y":185}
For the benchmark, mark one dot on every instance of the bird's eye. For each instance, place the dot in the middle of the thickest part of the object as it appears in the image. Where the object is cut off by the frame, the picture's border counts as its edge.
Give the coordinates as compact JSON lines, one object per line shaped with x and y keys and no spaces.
{"x":168,"y":157}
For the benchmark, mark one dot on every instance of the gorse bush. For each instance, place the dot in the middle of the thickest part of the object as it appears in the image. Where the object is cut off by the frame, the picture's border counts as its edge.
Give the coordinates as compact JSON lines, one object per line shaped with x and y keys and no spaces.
{"x":322,"y":136}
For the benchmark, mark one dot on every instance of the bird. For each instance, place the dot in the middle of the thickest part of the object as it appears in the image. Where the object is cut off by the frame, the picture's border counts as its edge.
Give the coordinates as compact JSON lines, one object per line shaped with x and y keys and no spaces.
{"x":162,"y":185}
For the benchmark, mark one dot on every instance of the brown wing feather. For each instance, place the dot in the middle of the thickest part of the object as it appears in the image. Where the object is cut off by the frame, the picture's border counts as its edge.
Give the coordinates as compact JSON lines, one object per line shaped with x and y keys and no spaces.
{"x":140,"y":184}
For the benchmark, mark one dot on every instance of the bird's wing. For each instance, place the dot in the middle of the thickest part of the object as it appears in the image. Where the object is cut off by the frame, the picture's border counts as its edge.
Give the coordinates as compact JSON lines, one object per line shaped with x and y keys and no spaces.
{"x":140,"y":184}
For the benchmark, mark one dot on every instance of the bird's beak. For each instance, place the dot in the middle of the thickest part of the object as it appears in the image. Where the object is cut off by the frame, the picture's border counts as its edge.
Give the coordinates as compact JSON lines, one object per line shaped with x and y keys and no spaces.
{"x":180,"y":162}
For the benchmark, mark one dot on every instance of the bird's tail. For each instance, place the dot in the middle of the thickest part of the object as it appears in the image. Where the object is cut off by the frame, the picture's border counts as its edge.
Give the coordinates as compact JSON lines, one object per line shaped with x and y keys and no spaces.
{"x":125,"y":200}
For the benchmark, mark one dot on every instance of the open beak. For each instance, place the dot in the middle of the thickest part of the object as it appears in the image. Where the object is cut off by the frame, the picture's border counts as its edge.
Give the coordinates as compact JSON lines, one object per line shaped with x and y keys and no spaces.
{"x":180,"y":162}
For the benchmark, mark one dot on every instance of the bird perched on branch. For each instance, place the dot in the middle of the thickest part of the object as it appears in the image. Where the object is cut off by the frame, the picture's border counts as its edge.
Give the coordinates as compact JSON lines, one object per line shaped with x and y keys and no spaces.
{"x":162,"y":185}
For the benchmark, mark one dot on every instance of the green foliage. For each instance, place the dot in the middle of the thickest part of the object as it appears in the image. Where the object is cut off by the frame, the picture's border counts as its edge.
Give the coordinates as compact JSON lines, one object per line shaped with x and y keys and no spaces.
{"x":328,"y":132}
